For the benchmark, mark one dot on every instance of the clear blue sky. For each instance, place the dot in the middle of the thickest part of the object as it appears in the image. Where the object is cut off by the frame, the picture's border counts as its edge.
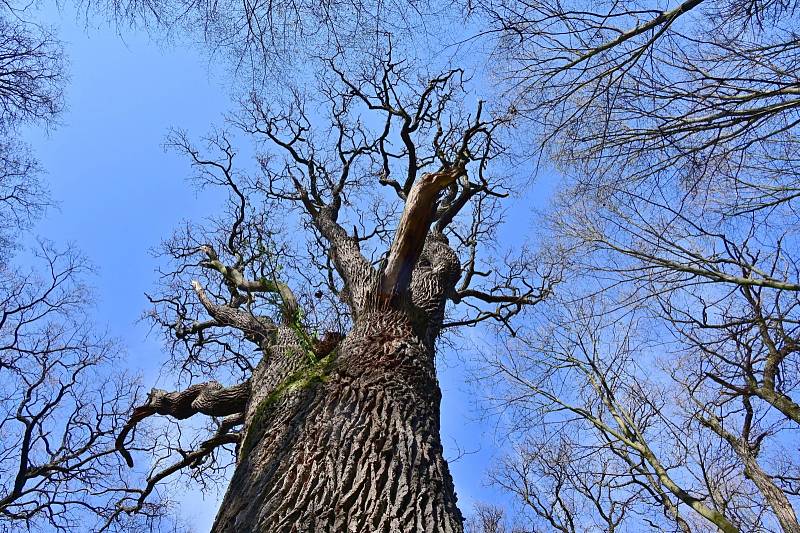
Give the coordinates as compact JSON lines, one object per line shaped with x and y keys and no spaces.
{"x":120,"y":193}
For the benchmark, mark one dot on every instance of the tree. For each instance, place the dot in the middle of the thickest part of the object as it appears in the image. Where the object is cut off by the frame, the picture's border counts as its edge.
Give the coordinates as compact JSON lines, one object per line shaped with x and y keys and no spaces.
{"x":62,"y":403}
{"x":677,"y":129}
{"x":615,"y":445}
{"x":703,"y":88}
{"x":487,"y":519}
{"x":31,"y":73}
{"x":60,"y":406}
{"x":265,"y":45}
{"x":335,"y":421}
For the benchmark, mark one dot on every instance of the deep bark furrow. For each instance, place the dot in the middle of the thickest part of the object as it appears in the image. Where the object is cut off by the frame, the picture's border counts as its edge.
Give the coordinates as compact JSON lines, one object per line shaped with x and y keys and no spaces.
{"x":434,"y":277}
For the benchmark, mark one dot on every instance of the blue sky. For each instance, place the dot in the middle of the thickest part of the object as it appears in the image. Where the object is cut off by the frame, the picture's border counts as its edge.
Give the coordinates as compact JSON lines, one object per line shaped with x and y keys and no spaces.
{"x":119,"y":194}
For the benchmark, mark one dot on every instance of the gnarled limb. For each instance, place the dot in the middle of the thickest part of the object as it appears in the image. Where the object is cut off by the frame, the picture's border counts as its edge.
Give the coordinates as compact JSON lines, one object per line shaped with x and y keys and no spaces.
{"x":317,"y":189}
{"x":208,"y":398}
{"x":236,"y":281}
{"x":255,"y":328}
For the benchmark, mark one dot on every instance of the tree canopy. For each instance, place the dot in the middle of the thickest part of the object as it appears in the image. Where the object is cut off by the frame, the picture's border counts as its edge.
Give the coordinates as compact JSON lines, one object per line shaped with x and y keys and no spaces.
{"x":643,"y":369}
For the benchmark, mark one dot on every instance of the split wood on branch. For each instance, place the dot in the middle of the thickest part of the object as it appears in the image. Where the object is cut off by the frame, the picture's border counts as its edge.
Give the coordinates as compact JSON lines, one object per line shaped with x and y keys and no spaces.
{"x":413,"y":228}
{"x":420,"y":210}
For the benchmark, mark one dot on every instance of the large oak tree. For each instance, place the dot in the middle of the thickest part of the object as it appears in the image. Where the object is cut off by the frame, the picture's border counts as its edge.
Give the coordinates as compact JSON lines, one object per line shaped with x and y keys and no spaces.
{"x":335,"y":422}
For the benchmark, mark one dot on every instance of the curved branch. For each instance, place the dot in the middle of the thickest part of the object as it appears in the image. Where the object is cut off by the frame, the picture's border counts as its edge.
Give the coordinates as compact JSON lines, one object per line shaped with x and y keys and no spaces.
{"x":195,"y":457}
{"x":236,"y":280}
{"x":208,"y":398}
{"x":255,"y":328}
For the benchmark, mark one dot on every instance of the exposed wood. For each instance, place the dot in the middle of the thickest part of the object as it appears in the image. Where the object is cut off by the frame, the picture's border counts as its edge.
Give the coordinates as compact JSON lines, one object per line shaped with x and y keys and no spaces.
{"x":413,"y":228}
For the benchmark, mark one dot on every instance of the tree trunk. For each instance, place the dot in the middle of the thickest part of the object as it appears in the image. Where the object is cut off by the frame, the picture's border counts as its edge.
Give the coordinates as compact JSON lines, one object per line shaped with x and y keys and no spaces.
{"x":774,"y":496}
{"x":347,"y":444}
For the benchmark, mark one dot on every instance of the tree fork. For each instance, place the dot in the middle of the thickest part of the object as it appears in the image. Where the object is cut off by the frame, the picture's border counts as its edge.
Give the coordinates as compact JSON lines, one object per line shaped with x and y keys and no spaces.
{"x":413,"y":228}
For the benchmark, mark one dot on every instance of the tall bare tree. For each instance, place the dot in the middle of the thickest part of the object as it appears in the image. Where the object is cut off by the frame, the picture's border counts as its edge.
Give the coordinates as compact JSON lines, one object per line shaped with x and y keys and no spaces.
{"x":335,"y":419}
{"x":488,"y":519}
{"x":676,"y":126}
{"x":62,"y":399}
{"x":31,"y":70}
{"x":706,"y":88}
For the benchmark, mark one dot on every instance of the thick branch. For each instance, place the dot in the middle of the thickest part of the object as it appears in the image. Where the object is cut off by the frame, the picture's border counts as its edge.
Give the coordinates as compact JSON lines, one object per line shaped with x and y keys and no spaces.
{"x":209,"y":398}
{"x":255,"y":328}
{"x":773,"y":495}
{"x":347,"y":257}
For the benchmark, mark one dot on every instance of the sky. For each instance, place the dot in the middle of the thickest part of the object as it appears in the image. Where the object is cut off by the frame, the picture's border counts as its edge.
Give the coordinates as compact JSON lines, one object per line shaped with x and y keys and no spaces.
{"x":120,"y":193}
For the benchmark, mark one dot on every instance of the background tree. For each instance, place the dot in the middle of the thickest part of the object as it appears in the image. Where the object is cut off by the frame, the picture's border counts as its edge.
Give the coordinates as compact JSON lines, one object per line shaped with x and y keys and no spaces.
{"x":704,"y":89}
{"x":31,"y":74}
{"x":487,"y":519}
{"x":60,"y":405}
{"x":330,"y":343}
{"x":677,"y":129}
{"x":267,"y":45}
{"x":61,"y":402}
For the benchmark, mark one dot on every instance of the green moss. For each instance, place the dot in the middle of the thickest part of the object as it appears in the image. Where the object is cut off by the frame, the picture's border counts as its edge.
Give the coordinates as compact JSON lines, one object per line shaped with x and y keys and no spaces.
{"x":306,"y":341}
{"x":304,"y":378}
